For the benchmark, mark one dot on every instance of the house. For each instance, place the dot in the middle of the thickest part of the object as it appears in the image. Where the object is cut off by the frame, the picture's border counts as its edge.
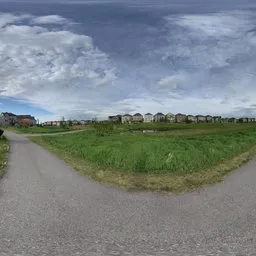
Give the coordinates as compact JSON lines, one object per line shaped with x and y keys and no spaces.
{"x":180,"y":118}
{"x":244,"y":120}
{"x":232,"y":120}
{"x":26,"y":120}
{"x":209,"y":119}
{"x":8,"y":119}
{"x":148,"y":118}
{"x":126,"y":119}
{"x":58,"y":123}
{"x":170,"y":118}
{"x":250,"y":120}
{"x":191,"y":119}
{"x":47,"y":123}
{"x":216,"y":119}
{"x":115,"y":119}
{"x":159,"y":117}
{"x":201,"y":119}
{"x":224,"y":120}
{"x":137,"y":118}
{"x":75,"y":122}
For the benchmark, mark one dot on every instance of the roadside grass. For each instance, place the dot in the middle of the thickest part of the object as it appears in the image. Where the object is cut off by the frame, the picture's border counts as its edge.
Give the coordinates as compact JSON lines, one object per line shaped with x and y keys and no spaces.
{"x":164,"y":163}
{"x":4,"y":148}
{"x":36,"y":129}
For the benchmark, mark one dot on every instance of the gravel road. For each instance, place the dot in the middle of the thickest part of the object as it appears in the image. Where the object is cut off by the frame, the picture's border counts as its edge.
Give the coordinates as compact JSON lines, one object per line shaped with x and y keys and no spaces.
{"x":46,"y":208}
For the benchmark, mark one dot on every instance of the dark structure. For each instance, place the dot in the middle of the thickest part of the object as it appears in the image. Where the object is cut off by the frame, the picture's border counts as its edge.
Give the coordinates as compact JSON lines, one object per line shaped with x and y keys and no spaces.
{"x":1,"y":132}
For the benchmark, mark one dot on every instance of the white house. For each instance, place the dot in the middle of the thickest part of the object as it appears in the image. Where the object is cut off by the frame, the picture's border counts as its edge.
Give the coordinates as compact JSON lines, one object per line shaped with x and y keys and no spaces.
{"x":148,"y":118}
{"x":126,"y":118}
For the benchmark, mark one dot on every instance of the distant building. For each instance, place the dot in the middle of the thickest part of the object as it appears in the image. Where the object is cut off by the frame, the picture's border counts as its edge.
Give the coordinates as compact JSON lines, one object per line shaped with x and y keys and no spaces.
{"x":232,"y":120}
{"x":126,"y":118}
{"x":26,"y":120}
{"x":201,"y":119}
{"x":170,"y":118}
{"x":191,"y":119}
{"x":244,"y":120}
{"x":115,"y":119}
{"x":47,"y":123}
{"x":8,"y":119}
{"x":209,"y":119}
{"x":159,"y":117}
{"x":224,"y":120}
{"x":216,"y":119}
{"x":180,"y":118}
{"x":148,"y":118}
{"x":137,"y":118}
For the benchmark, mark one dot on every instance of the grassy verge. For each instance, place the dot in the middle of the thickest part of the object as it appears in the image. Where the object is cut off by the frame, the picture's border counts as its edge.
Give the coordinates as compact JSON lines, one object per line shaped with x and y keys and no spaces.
{"x":172,"y":163}
{"x":42,"y":129}
{"x":4,"y":148}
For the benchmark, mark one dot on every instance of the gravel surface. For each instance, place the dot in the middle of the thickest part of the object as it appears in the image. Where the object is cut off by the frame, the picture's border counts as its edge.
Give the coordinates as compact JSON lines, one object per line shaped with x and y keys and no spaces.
{"x":46,"y":208}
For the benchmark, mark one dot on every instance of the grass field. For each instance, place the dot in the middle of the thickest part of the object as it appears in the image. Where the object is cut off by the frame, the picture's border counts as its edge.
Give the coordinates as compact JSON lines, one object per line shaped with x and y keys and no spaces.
{"x":3,"y":154}
{"x":178,"y":157}
{"x":37,"y":129}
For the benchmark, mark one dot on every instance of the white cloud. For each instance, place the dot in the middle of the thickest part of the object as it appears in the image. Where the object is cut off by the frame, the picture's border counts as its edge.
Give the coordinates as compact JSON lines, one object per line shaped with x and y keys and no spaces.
{"x":220,"y":24}
{"x":59,"y":71}
{"x":217,"y":52}
{"x":50,"y":19}
{"x":209,"y":68}
{"x":171,"y":82}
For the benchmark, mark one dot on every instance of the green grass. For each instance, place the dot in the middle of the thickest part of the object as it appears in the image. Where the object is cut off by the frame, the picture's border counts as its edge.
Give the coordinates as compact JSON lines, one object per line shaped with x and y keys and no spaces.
{"x":3,"y":154}
{"x":156,"y":161}
{"x":37,"y":129}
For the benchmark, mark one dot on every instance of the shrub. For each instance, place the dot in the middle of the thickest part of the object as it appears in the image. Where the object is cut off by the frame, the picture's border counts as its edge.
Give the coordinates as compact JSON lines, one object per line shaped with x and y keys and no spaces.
{"x":103,"y":129}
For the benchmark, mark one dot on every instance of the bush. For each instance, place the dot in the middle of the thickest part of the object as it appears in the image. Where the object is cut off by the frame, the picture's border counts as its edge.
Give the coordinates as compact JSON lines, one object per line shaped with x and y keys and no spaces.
{"x":103,"y":129}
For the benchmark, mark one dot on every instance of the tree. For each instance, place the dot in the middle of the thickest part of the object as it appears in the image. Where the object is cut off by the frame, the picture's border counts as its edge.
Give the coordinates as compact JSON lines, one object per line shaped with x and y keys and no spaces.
{"x":63,"y":123}
{"x":94,"y":120}
{"x":69,"y":123}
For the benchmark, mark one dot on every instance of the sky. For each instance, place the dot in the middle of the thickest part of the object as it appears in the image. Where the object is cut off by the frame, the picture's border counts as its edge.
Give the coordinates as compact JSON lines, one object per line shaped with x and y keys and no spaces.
{"x":86,"y":59}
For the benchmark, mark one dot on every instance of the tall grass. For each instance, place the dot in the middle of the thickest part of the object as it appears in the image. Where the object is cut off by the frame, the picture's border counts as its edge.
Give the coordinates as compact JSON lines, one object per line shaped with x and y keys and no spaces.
{"x":154,"y":154}
{"x":36,"y":129}
{"x":3,"y":154}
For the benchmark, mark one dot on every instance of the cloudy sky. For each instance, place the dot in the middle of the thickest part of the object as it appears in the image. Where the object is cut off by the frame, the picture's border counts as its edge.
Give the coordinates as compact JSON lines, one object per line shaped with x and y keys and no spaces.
{"x":84,"y":59}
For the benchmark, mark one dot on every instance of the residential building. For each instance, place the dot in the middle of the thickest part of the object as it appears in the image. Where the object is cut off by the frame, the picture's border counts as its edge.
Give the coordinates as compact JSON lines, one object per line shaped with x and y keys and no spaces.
{"x":8,"y":119}
{"x":115,"y":119}
{"x":47,"y":123}
{"x":126,"y":118}
{"x":26,"y":120}
{"x":201,"y":118}
{"x":191,"y":119}
{"x":137,"y":118}
{"x":170,"y":118}
{"x":232,"y":120}
{"x":75,"y":122}
{"x":159,"y":117}
{"x":180,"y":118}
{"x":216,"y":119}
{"x":224,"y":120}
{"x":148,"y":118}
{"x":209,"y":119}
{"x":244,"y":120}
